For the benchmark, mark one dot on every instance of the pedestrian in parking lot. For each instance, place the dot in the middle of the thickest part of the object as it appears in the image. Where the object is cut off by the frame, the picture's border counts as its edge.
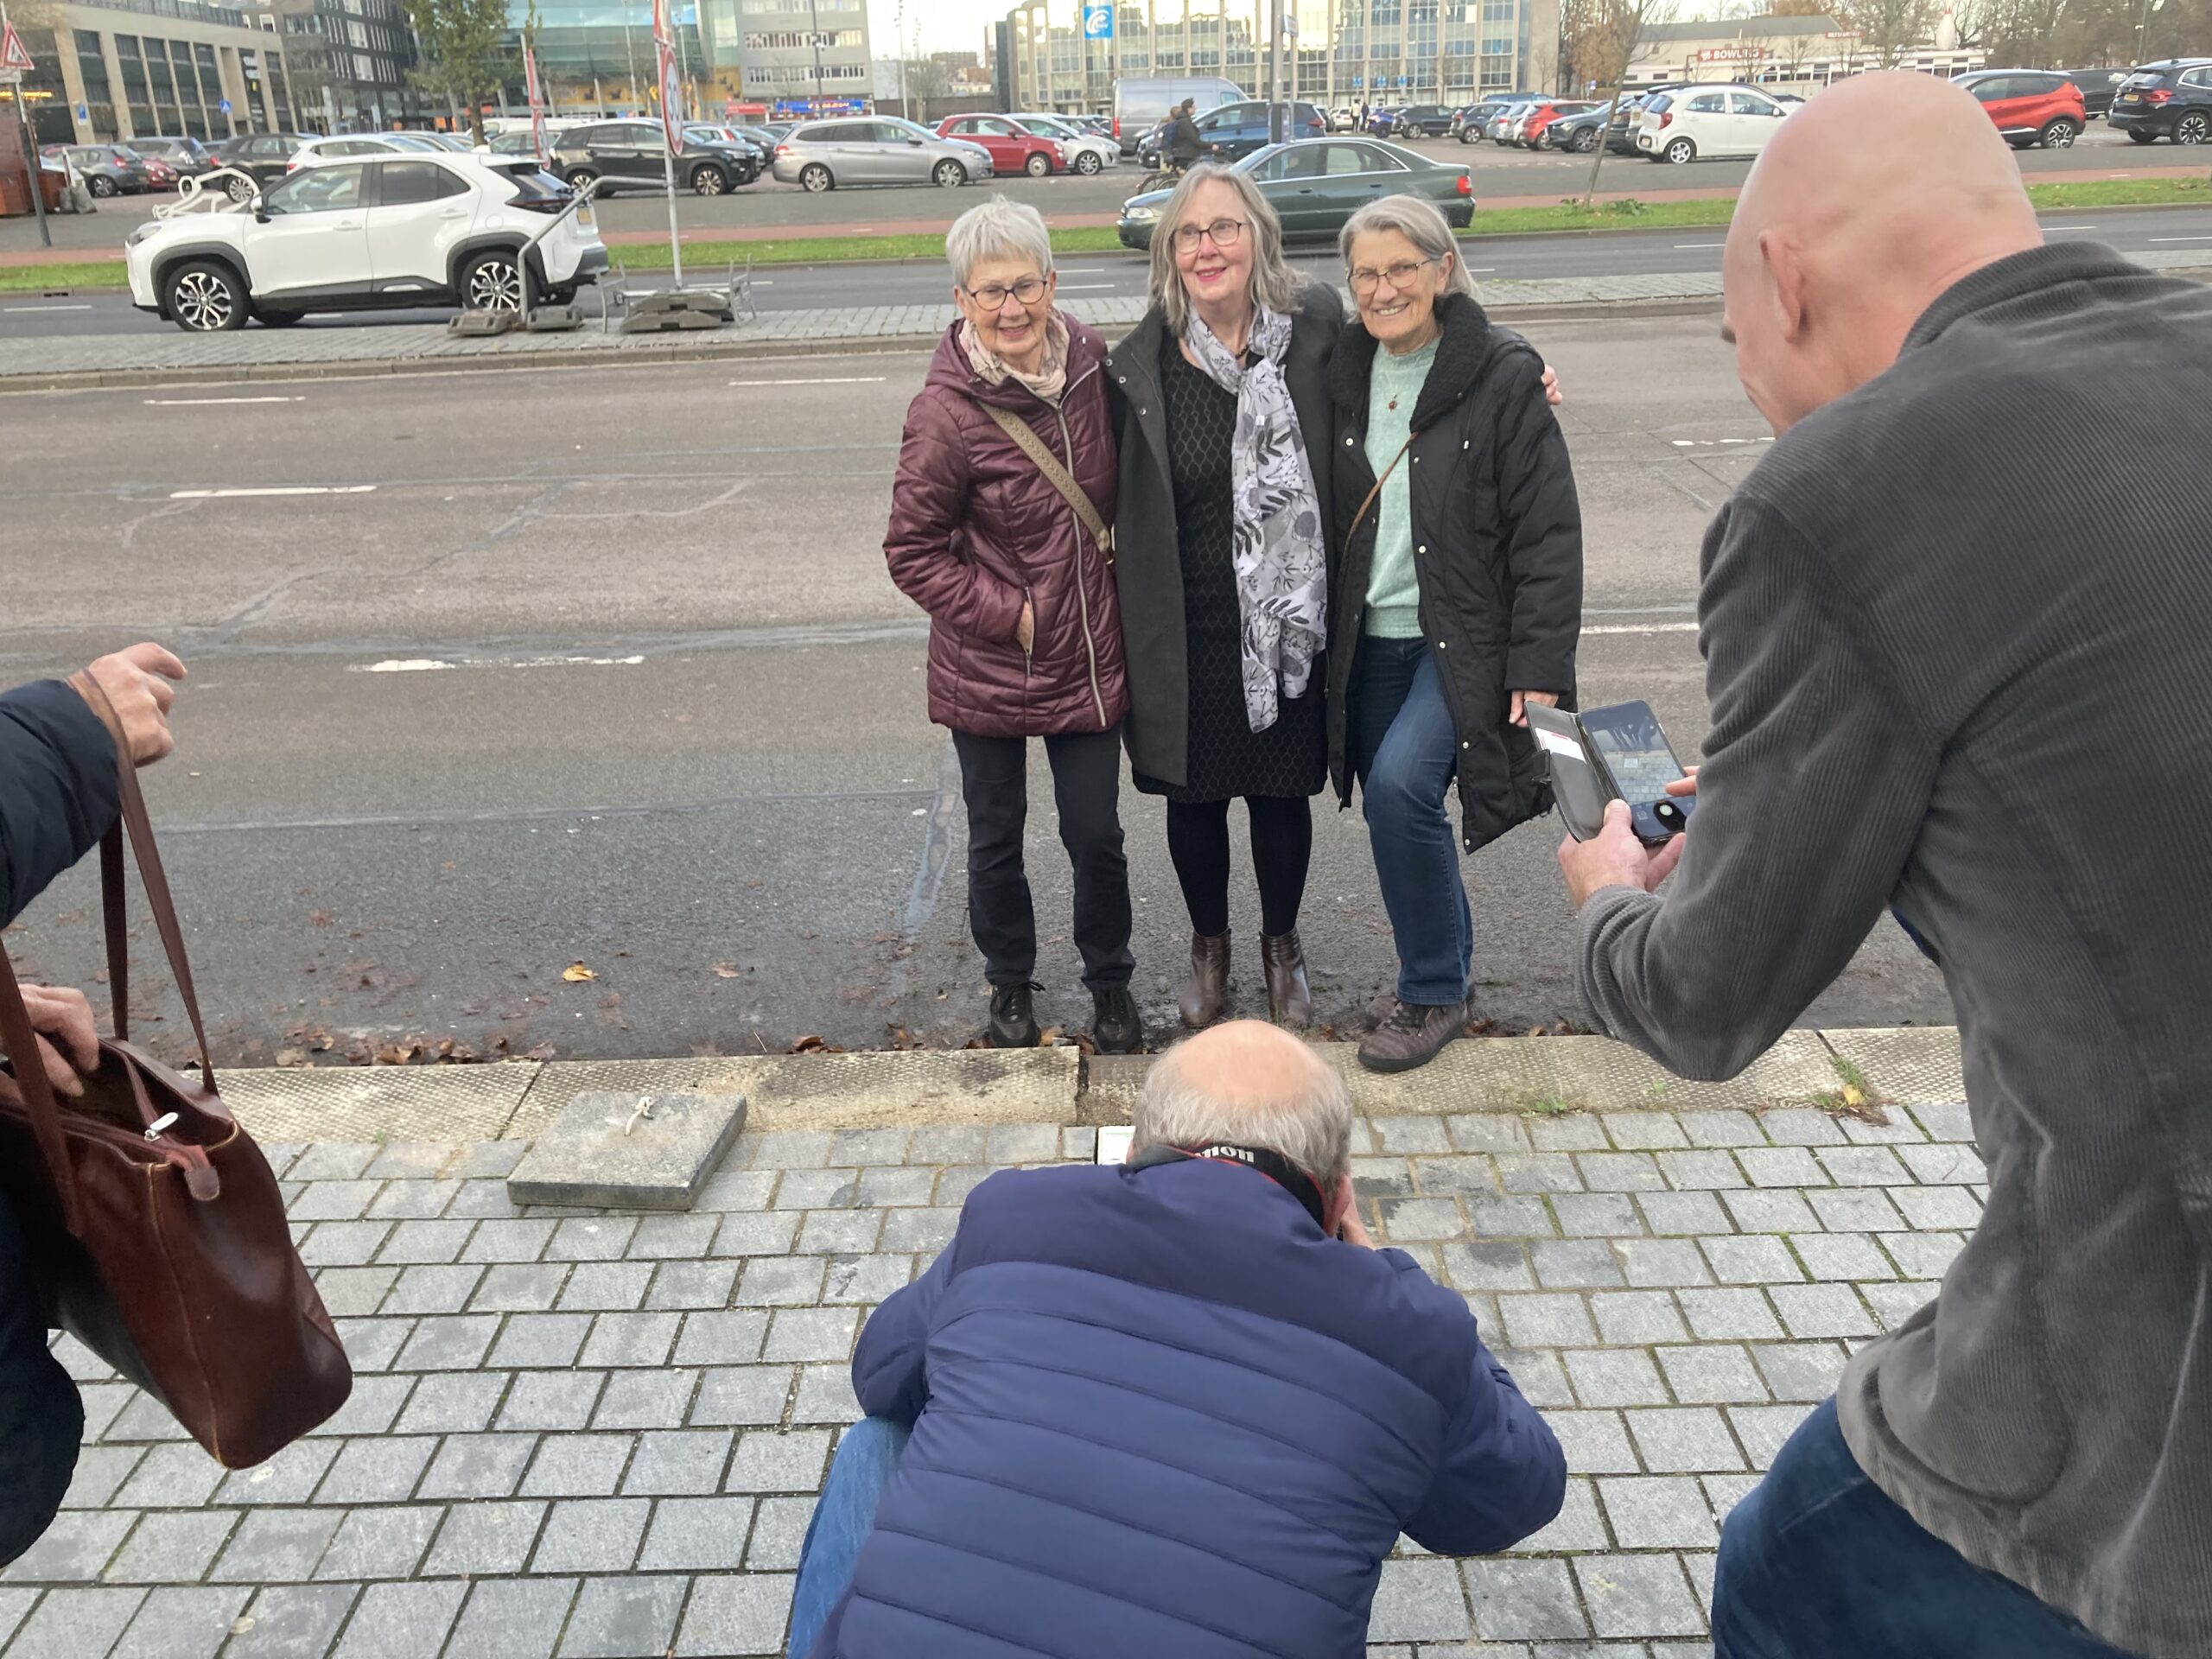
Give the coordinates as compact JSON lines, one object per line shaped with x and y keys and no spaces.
{"x":1958,"y":666}
{"x":1223,"y":413}
{"x":1000,"y":528}
{"x":1458,"y":595}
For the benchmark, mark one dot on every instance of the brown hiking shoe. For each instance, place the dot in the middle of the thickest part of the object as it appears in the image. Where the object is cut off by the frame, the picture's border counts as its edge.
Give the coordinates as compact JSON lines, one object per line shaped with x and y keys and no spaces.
{"x":1412,"y":1036}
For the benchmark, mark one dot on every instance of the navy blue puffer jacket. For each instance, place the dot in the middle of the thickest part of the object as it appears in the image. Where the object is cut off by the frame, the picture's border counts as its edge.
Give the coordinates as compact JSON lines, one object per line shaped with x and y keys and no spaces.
{"x":1156,"y":1412}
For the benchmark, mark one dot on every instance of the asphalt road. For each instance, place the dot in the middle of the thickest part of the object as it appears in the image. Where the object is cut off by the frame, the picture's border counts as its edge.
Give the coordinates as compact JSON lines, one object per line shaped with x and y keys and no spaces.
{"x":798,"y":287}
{"x":621,"y":680}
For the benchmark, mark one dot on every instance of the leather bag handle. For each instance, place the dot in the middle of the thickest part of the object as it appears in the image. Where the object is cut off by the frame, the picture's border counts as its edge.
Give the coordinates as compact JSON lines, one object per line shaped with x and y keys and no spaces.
{"x":1055,"y":474}
{"x":38,"y":1094}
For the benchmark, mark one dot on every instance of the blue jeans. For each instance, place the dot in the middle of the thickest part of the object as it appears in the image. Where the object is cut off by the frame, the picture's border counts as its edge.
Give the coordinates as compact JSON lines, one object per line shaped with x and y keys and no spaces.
{"x":866,"y":1458}
{"x":1817,"y":1562}
{"x":1405,"y":751}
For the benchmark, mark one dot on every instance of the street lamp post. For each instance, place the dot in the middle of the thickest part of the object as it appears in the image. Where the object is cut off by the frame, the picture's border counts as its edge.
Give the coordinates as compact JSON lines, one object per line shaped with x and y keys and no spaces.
{"x":814,"y":16}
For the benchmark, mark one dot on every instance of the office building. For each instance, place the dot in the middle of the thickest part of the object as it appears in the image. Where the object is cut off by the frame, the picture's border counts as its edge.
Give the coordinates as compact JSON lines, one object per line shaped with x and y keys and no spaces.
{"x":349,"y":61}
{"x":155,"y":68}
{"x":756,"y":56}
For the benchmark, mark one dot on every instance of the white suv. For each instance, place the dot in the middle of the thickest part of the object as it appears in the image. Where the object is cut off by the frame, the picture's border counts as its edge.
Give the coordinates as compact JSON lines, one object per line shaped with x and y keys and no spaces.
{"x":1684,"y":123}
{"x":367,"y":233}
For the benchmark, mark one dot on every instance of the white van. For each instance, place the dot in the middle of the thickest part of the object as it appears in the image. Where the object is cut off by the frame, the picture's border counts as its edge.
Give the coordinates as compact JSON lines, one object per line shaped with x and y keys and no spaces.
{"x":1141,"y":105}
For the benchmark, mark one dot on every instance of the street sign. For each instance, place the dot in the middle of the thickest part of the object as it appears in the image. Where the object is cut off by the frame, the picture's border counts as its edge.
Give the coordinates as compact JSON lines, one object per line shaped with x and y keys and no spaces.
{"x":537,"y":95}
{"x":1098,"y":22}
{"x":14,"y":55}
{"x":671,"y":81}
{"x":225,"y":106}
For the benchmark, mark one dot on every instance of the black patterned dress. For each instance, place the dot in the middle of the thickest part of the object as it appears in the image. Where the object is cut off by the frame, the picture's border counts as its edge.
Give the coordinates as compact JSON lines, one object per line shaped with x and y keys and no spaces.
{"x":1227,"y":758}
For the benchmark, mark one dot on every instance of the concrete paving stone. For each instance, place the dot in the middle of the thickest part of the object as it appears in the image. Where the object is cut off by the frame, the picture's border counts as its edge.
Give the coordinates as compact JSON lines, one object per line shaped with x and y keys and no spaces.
{"x":512,"y":1618}
{"x":1801,"y":1371}
{"x":550,"y":1401}
{"x":1443,"y":1176}
{"x":591,"y":1535}
{"x":608,"y":1286}
{"x":697,"y":1535}
{"x":277,"y":1545}
{"x":1638,"y":1595}
{"x":740,"y":1395}
{"x":678,"y":1463}
{"x":1863,"y":1166}
{"x":1418,"y":1220}
{"x":742,"y":1614}
{"x":1757,"y":1259}
{"x":1419,"y":1601}
{"x":458,"y":1402}
{"x":722,"y":1337}
{"x":736,"y":1189}
{"x":866,"y":1279}
{"x":1721,"y":1129}
{"x":1596,"y":1442}
{"x":1700,"y":1565}
{"x":450,"y":1343}
{"x":1937,"y":1166}
{"x":73,"y":1624}
{"x":579,"y":1465}
{"x":1567,"y":1132}
{"x":491,"y":1161}
{"x":380,"y":1543}
{"x":794,"y":1150}
{"x":371,"y":1408}
{"x":1780,"y":1166}
{"x":768,"y":1233}
{"x":1541,"y":1377}
{"x":484,"y":1540}
{"x":630,"y":1339}
{"x":926,"y":1231}
{"x":1485,"y":1132}
{"x":1944,"y":1120}
{"x":1517,"y":1600}
{"x":1657,"y":1512}
{"x":855,"y":1148}
{"x":523,"y":1240}
{"x":478,"y":1465}
{"x":332,"y":1200}
{"x":414,"y":1200}
{"x":433,"y":1290}
{"x":293,"y":1474}
{"x":1661,"y":1262}
{"x":1516,"y":1216}
{"x":1762,"y":1429}
{"x":291,"y":1621}
{"x":1597,"y":1215}
{"x":1614,"y":1376}
{"x":75,"y":1549}
{"x":591,"y":1238}
{"x":1712,"y":1374}
{"x":1493,"y":1265}
{"x":1724,"y":1492}
{"x":344,"y":1243}
{"x":1826,"y":1310}
{"x":399,"y":1160}
{"x":840,"y":1232}
{"x":1578,"y":1525}
{"x":629,"y":1617}
{"x":679,"y":1238}
{"x":1684,"y":1440}
{"x":80,"y":1361}
{"x":1538,"y":1172}
{"x":1700,"y":1170}
{"x":779,"y":1282}
{"x":1854,"y":1209}
{"x":1023,"y":1143}
{"x":1893,"y":1304}
{"x":414,"y":1244}
{"x":1546,"y":1321}
{"x":402,"y":1621}
{"x":682,"y":1285}
{"x":141,"y":1417}
{"x":903,"y":1188}
{"x":817,"y":1189}
{"x":1644,"y":1131}
{"x":100,"y":1470}
{"x":171,"y":1549}
{"x":1406,"y":1136}
{"x":646,"y":1399}
{"x":1900,"y":1130}
{"x":1769,"y":1210}
{"x":354,"y":1291}
{"x":947,"y":1143}
{"x":1371,"y":1178}
{"x":1637,"y":1316}
{"x":767,"y":1460}
{"x":825,"y":1396}
{"x":1930,"y":1208}
{"x":177,"y":1475}
{"x":1680,"y":1213}
{"x":1579,"y":1263}
{"x":779,"y":1527}
{"x":1078,"y":1146}
{"x":1729,"y":1315}
{"x":540,"y":1341}
{"x":1800,"y":1126}
{"x":1620,"y":1172}
{"x":956,"y":1182}
{"x":1840,"y":1255}
{"x":333,"y":1160}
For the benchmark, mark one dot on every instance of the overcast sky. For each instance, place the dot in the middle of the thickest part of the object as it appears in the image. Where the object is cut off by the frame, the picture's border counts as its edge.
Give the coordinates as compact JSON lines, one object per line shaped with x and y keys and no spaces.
{"x":944,"y":25}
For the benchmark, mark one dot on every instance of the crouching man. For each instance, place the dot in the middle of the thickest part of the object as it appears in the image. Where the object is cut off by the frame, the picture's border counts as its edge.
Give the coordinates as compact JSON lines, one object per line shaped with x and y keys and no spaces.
{"x":1177,"y":1407}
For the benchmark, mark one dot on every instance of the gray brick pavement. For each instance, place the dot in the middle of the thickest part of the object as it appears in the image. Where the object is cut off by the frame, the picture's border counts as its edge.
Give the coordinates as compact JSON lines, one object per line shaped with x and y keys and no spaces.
{"x":588,"y":1435}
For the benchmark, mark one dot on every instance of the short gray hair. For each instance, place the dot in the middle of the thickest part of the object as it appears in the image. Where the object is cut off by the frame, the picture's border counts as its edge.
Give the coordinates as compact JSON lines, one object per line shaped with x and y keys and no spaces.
{"x":1310,"y":1125}
{"x":1417,"y":220}
{"x":995,"y":228}
{"x":1275,"y":284}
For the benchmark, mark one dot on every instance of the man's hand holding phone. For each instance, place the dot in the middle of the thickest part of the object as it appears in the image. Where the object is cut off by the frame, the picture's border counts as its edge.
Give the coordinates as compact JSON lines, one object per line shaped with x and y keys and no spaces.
{"x":1615,"y":858}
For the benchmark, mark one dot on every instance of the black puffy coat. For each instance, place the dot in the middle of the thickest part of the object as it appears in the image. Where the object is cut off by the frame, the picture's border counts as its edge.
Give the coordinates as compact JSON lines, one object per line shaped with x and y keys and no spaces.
{"x":58,"y":789}
{"x":1497,"y":551}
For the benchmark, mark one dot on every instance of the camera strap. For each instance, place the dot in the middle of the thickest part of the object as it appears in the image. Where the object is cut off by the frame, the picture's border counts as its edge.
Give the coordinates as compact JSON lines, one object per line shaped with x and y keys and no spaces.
{"x":1273,"y":1165}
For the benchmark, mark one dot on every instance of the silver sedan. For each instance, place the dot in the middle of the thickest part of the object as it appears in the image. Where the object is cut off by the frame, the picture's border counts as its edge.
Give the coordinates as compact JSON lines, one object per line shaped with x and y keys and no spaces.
{"x":877,"y":150}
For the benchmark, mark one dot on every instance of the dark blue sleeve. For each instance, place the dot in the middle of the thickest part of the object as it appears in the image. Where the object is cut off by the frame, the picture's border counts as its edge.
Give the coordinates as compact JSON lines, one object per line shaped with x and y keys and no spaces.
{"x":1503,"y":1474}
{"x":57,"y":788}
{"x":890,"y":1377}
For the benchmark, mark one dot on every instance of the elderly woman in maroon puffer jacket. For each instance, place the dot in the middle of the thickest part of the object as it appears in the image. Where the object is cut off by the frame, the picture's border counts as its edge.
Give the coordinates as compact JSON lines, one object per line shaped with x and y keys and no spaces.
{"x":1012,"y":566}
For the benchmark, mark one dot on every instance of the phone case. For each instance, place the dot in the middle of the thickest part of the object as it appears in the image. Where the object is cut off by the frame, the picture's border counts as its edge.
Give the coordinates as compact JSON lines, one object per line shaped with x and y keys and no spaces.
{"x":1578,"y":787}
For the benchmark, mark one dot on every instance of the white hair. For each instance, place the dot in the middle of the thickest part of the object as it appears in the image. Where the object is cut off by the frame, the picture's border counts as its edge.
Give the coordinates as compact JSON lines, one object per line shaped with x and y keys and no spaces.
{"x":995,"y":228}
{"x":1310,"y":1124}
{"x":1417,"y":220}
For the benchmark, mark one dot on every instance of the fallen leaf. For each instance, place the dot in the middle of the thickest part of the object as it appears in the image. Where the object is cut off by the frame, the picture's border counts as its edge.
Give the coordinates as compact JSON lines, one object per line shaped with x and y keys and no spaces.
{"x":727,"y":971}
{"x":542,"y":1052}
{"x":810,"y":1044}
{"x":1049,"y":1036}
{"x":320,"y":919}
{"x":576,"y":973}
{"x":291,"y":1056}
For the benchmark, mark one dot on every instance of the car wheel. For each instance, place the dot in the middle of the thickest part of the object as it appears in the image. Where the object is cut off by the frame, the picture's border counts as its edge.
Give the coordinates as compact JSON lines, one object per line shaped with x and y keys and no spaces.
{"x":2057,"y":135}
{"x":1087,"y":162}
{"x":1680,"y":152}
{"x":100,"y":186}
{"x":814,"y":178}
{"x":1586,"y":141}
{"x":709,"y":181}
{"x":492,"y":281}
{"x":578,"y":177}
{"x":239,"y":189}
{"x":2144,"y":138}
{"x":2193,"y":128}
{"x":205,"y":298}
{"x":277,"y":319}
{"x":1038,"y":165}
{"x":949,"y":175}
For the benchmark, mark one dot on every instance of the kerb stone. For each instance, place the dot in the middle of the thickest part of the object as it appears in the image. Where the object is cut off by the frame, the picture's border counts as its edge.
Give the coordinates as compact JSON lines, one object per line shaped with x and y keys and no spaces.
{"x":629,"y":1151}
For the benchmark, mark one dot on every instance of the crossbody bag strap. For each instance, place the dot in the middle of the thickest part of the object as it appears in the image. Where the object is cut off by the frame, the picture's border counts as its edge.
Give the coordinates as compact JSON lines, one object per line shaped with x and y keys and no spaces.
{"x":1057,"y":475}
{"x":1354,"y":529}
{"x":22,"y":1042}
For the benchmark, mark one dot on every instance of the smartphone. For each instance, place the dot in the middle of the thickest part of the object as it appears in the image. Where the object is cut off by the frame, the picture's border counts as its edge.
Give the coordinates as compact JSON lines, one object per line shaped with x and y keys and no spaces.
{"x":1631,"y":748}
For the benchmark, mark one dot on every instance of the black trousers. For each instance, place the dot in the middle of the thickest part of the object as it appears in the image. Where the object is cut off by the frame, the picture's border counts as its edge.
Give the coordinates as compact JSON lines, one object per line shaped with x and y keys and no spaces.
{"x":1087,"y":789}
{"x":41,"y":1419}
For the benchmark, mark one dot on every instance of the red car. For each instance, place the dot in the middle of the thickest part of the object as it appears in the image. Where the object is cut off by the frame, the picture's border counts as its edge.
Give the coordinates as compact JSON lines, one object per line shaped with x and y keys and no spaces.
{"x":1012,"y":148}
{"x":2030,"y":106}
{"x":1531,"y":135}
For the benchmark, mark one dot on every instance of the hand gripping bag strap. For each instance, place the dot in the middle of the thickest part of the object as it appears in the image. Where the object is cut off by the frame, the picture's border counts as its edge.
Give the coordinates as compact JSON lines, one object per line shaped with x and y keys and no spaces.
{"x":22,"y":1042}
{"x":1057,"y":475}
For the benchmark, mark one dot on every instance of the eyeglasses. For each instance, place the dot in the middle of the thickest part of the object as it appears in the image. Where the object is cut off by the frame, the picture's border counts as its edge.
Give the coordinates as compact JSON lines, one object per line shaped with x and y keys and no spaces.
{"x":1225,"y":232}
{"x":992,"y":296}
{"x":1363,"y":282}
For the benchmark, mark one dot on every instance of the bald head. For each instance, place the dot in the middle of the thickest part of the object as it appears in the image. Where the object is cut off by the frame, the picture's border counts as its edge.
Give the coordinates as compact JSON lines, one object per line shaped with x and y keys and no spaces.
{"x":1867,"y":205}
{"x":1250,"y":1084}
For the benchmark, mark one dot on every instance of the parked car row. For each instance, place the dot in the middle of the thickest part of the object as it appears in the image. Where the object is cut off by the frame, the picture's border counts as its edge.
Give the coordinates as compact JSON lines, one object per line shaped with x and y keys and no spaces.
{"x":1315,"y":184}
{"x":2169,"y":99}
{"x":1232,"y":132}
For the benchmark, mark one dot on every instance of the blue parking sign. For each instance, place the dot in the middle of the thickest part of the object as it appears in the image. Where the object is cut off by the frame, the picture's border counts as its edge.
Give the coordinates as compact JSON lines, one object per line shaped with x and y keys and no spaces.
{"x":224,"y":107}
{"x":1098,"y":22}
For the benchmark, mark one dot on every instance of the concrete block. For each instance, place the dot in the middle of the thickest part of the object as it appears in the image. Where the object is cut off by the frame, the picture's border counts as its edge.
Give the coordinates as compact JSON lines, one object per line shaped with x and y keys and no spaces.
{"x":629,"y":1151}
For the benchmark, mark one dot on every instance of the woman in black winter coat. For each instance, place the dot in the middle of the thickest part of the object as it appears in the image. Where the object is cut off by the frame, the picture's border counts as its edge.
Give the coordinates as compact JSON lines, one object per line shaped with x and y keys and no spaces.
{"x":1456,"y":595}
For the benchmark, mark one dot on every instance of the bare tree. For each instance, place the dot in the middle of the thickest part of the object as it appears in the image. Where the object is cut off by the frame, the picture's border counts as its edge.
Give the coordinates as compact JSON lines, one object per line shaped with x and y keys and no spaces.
{"x":1611,"y":31}
{"x":927,"y":78}
{"x":1889,"y":28}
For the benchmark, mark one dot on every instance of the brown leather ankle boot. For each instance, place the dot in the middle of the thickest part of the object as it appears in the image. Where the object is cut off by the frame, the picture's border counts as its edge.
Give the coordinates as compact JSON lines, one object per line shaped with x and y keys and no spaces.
{"x":1290,"y":999}
{"x":1206,"y":992}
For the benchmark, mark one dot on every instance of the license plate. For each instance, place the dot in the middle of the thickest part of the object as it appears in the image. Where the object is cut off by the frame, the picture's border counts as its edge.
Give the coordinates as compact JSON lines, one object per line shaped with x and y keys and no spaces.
{"x":2131,"y":98}
{"x":585,"y":221}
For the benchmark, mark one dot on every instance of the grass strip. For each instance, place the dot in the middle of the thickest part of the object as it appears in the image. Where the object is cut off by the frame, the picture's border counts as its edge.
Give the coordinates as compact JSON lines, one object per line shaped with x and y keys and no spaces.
{"x":35,"y":279}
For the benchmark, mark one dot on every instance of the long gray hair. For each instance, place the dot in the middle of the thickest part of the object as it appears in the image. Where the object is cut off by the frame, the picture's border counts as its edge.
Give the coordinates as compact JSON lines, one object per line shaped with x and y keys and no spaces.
{"x":1417,"y":220}
{"x":1273,"y":284}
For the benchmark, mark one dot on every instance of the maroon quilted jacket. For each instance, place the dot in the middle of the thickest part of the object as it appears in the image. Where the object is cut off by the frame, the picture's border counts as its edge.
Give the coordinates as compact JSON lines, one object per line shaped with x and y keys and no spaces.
{"x":976,"y":529}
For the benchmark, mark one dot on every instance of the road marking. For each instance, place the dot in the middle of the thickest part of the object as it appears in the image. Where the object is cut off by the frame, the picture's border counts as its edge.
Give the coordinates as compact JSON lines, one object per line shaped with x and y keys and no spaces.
{"x":2049,"y":228}
{"x":1643,"y":628}
{"x":1681,"y":246}
{"x":1481,"y":270}
{"x":2182,"y":238}
{"x":85,"y":307}
{"x":283,"y":489}
{"x":827,"y":380}
{"x":437,"y":665}
{"x":1082,"y":288}
{"x":1714,"y":443}
{"x":1082,"y":270}
{"x":195,"y":402}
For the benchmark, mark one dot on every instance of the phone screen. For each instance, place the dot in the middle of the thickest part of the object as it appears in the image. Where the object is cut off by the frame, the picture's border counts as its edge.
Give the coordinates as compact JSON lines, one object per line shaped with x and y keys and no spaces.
{"x":1635,"y":751}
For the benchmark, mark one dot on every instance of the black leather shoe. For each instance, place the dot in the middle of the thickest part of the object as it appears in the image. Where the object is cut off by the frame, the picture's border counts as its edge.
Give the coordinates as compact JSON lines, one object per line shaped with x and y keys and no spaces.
{"x":1116,"y":1024}
{"x":1014,"y":1017}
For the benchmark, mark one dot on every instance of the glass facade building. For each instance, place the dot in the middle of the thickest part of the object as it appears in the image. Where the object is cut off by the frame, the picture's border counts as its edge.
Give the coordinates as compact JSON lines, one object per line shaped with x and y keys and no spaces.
{"x":765,"y":54}
{"x":123,"y":69}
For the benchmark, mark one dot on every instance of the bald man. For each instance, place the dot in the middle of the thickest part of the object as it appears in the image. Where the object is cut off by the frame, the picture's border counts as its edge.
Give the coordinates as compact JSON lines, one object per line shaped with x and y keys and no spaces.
{"x":1174,"y":1408}
{"x":1958,"y":635}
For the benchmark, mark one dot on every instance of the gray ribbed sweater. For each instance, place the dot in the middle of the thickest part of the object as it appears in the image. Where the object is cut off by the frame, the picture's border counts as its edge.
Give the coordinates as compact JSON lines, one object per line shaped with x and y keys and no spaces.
{"x":1958,"y":637}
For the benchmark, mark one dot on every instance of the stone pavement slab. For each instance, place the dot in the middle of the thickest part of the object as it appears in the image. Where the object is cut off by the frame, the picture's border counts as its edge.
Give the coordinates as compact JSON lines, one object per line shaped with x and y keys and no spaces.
{"x":585,"y":1433}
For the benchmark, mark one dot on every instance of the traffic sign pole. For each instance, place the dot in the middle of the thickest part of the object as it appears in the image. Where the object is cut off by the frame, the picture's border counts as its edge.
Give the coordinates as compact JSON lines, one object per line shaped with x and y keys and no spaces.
{"x":17,"y":58}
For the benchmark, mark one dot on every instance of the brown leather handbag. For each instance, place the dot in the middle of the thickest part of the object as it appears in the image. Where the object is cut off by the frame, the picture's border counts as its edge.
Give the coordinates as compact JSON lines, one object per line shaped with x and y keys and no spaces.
{"x":155,"y":1227}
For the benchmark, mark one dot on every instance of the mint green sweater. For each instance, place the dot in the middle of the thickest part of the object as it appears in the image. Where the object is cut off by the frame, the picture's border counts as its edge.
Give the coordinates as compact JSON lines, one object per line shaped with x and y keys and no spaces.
{"x":1392,"y":591}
